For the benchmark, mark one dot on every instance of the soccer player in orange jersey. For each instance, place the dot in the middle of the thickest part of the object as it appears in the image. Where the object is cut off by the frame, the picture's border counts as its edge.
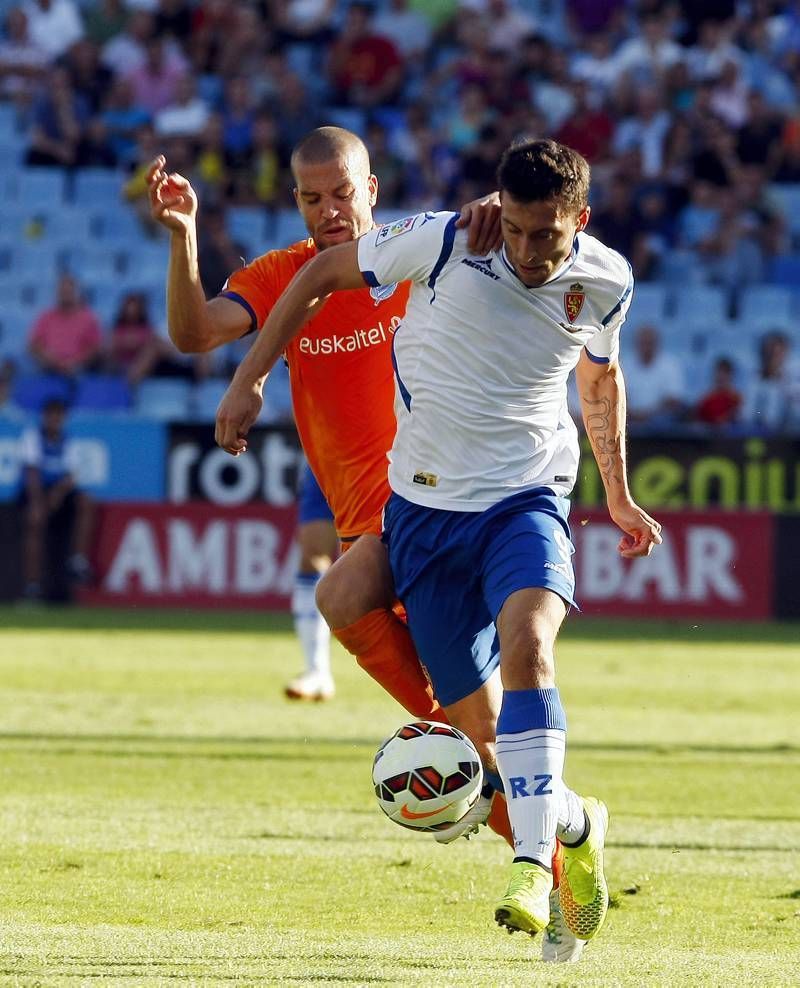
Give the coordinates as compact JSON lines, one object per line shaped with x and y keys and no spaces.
{"x":341,"y":373}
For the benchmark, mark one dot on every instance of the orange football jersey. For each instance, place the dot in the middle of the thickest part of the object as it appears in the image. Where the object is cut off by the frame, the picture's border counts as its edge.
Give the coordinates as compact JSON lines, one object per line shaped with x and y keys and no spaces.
{"x":340,"y":368}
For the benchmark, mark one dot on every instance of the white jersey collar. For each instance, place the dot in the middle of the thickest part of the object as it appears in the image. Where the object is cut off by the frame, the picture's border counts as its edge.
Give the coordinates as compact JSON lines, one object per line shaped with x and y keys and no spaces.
{"x":573,"y":254}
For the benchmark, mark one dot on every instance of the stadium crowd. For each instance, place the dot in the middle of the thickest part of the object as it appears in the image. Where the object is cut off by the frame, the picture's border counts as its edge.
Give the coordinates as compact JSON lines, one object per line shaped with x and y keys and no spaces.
{"x":688,"y":114}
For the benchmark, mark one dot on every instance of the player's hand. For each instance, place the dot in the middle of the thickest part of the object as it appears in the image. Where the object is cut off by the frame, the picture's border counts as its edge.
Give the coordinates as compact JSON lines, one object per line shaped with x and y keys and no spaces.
{"x":642,"y":532}
{"x":173,"y":201}
{"x":238,"y":410}
{"x":481,"y":217}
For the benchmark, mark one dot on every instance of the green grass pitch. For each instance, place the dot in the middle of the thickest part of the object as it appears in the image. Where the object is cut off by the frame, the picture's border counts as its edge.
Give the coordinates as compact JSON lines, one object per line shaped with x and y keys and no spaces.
{"x":168,"y":819}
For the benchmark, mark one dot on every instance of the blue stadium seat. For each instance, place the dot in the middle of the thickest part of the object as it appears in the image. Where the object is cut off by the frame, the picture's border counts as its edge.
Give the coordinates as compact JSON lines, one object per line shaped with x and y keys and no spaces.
{"x":701,"y":304}
{"x":785,"y":270}
{"x":35,"y":260}
{"x":246,"y":225}
{"x":207,"y":395}
{"x":90,"y":263}
{"x":102,"y":392}
{"x":68,"y":226}
{"x":38,"y":188}
{"x":31,"y":391}
{"x":765,"y":303}
{"x":15,"y":324}
{"x":166,"y":399}
{"x":649,"y":304}
{"x":787,"y":198}
{"x":97,"y":187}
{"x":289,"y":228}
{"x":121,"y":225}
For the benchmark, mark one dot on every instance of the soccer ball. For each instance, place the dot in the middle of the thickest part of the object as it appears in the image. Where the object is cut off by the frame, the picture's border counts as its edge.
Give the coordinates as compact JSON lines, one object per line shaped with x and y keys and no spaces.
{"x":427,"y":775}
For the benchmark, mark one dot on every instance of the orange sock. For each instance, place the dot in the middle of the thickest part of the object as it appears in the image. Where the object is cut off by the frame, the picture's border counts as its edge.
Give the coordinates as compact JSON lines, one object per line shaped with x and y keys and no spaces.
{"x":498,"y":819}
{"x":383,"y":648}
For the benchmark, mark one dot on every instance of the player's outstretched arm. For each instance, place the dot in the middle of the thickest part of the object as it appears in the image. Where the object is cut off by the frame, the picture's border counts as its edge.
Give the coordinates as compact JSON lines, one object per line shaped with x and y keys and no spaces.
{"x":601,"y":388}
{"x":331,"y":270}
{"x":195,"y":326}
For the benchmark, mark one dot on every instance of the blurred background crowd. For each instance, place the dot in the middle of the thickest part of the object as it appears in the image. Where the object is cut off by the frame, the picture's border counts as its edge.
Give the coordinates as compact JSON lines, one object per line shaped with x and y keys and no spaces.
{"x":687,"y":111}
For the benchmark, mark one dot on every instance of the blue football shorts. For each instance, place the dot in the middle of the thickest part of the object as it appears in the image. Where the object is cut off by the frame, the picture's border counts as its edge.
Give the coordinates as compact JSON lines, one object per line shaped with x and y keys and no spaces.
{"x":311,"y":503}
{"x":454,"y":570}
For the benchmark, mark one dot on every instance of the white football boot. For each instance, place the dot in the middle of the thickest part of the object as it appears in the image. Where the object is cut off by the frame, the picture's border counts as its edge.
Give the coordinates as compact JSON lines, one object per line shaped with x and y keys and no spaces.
{"x":559,"y":943}
{"x":469,"y":824}
{"x":313,"y":686}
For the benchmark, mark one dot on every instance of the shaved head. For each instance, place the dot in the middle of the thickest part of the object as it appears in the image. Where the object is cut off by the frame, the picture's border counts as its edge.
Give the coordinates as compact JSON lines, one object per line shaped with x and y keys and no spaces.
{"x":327,"y":143}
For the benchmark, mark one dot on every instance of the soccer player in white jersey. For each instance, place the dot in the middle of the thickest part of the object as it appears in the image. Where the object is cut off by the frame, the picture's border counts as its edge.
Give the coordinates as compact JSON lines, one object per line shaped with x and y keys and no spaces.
{"x":483,"y":462}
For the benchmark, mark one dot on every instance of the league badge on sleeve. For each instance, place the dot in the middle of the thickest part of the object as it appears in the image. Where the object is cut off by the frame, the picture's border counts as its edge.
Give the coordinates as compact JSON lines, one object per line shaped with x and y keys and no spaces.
{"x":390,"y":230}
{"x":573,"y":300}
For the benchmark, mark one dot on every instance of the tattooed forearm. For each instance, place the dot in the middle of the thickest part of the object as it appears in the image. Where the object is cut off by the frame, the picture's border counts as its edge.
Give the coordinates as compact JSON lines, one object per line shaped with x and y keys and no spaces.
{"x":602,"y":427}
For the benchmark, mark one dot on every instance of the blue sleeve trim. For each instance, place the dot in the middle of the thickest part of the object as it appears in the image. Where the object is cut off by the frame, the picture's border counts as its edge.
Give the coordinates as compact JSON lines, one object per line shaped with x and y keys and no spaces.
{"x":596,"y":360}
{"x":448,"y":239}
{"x":235,"y":297}
{"x":622,"y":298}
{"x":405,"y":394}
{"x":371,"y":280}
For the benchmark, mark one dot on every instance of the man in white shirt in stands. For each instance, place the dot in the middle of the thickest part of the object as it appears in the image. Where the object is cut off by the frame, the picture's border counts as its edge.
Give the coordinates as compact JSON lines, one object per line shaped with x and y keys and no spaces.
{"x":483,"y":462}
{"x":654,"y":382}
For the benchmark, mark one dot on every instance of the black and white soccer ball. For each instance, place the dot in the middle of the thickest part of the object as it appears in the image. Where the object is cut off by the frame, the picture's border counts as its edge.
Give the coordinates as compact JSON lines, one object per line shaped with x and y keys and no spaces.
{"x":427,"y":775}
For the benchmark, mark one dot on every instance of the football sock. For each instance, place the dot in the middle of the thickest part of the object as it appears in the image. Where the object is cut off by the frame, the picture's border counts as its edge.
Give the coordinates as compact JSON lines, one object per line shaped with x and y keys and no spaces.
{"x":383,"y":648}
{"x":531,"y":737}
{"x":571,"y":818}
{"x":313,"y":632}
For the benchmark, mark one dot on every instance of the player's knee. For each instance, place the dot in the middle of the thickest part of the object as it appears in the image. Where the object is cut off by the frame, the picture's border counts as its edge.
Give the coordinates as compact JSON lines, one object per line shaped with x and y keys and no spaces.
{"x":338,"y":599}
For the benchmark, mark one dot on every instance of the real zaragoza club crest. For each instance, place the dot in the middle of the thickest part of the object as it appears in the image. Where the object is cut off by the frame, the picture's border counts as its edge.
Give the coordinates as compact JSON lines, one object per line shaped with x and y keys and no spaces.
{"x":573,"y":301}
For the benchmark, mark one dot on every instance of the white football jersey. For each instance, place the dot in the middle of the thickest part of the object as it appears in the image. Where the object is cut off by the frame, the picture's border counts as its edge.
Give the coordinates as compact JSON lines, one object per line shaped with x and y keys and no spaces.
{"x":482,"y":361}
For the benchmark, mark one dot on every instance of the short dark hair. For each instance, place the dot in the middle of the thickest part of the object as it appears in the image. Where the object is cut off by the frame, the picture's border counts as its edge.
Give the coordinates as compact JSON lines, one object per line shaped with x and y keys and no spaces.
{"x":537,"y":170}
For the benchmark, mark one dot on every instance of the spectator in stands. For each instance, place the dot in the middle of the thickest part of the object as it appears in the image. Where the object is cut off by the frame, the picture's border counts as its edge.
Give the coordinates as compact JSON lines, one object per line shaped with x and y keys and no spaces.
{"x":135,"y":349}
{"x":90,"y":78}
{"x":104,"y":20}
{"x":238,"y":115}
{"x":387,"y":165}
{"x":776,"y":388}
{"x":213,"y":178}
{"x":589,"y":128}
{"x":66,"y":339}
{"x":645,"y":131}
{"x":218,"y":254}
{"x":408,"y":30}
{"x":261,"y":183}
{"x":53,"y":25}
{"x":155,"y":81}
{"x":364,"y":68}
{"x":23,"y":64}
{"x":9,"y":409}
{"x":122,"y":120}
{"x":126,"y":52}
{"x":187,"y":115}
{"x":295,"y":113}
{"x":55,"y":508}
{"x":721,"y":405}
{"x":59,"y":119}
{"x":654,"y":383}
{"x":305,"y":21}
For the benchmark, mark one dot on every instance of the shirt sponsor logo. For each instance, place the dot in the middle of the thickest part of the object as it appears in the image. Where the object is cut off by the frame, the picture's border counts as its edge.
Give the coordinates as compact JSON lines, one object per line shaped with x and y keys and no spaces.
{"x":483,"y":265}
{"x":390,"y":230}
{"x":573,"y":301}
{"x":426,"y":479}
{"x":359,"y":339}
{"x":381,"y":292}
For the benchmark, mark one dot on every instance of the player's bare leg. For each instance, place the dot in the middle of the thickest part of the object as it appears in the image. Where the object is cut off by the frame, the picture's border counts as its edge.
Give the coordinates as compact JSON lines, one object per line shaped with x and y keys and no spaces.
{"x":318,"y":546}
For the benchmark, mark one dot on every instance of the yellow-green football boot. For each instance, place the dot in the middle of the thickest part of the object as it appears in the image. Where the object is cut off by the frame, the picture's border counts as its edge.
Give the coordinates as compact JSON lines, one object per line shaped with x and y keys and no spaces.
{"x":583,"y":893}
{"x":526,"y":904}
